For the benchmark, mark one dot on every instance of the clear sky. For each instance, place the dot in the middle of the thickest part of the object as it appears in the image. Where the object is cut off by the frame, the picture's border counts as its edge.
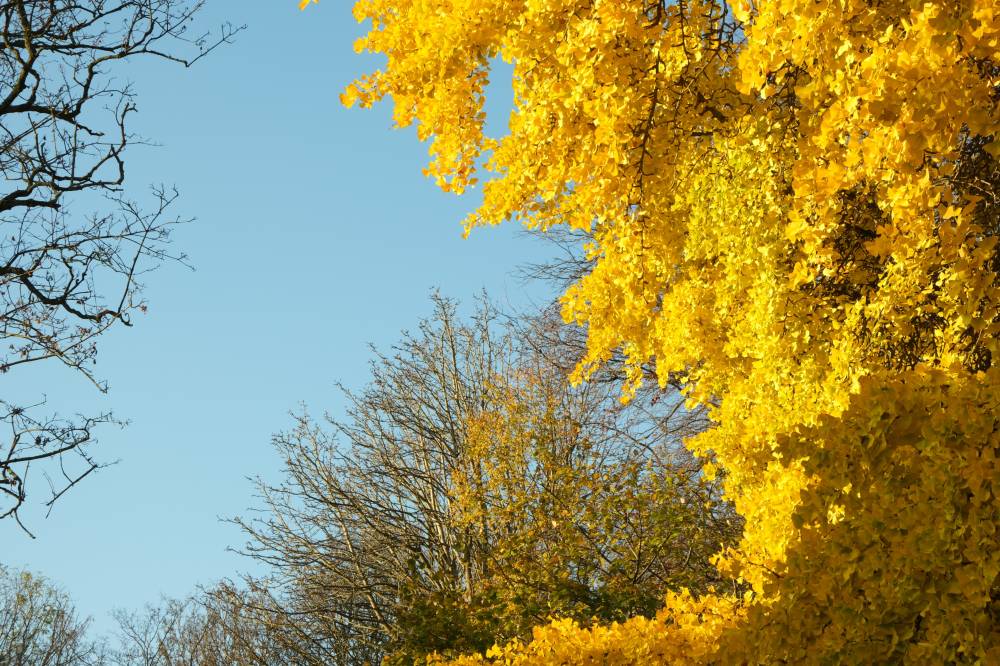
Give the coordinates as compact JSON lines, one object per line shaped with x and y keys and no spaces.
{"x":316,"y":235}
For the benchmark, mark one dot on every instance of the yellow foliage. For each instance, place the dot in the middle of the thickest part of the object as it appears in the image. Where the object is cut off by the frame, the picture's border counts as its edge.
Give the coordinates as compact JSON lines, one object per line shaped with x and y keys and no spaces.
{"x":580,"y":518}
{"x":792,"y":206}
{"x":684,"y":632}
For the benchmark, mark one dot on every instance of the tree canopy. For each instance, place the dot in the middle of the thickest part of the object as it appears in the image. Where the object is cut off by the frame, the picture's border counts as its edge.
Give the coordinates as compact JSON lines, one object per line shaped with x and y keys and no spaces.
{"x":791,"y":209}
{"x":470,"y":493}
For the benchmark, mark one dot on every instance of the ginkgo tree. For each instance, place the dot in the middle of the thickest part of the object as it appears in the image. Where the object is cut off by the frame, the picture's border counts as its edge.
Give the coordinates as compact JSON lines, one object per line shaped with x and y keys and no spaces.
{"x":791,"y":207}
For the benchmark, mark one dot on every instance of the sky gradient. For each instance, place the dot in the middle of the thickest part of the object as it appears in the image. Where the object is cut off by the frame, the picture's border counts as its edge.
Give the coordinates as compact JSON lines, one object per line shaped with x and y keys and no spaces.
{"x":316,"y":234}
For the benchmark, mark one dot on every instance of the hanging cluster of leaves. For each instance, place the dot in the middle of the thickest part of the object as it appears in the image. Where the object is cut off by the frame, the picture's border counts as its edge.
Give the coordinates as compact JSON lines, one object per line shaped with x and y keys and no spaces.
{"x":791,"y":207}
{"x":470,"y":494}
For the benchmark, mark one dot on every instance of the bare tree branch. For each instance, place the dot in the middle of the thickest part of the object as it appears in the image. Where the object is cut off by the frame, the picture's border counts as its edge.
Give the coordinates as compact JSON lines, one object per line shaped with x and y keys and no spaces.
{"x":73,"y":247}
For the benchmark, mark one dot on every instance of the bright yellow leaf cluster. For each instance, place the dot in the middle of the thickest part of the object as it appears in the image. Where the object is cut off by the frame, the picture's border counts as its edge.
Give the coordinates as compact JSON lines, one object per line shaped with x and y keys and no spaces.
{"x":793,"y":206}
{"x":684,"y":632}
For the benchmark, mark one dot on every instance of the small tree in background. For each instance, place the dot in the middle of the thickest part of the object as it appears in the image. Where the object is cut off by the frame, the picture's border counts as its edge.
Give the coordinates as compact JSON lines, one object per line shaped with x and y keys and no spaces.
{"x":39,"y":626}
{"x":216,"y":627}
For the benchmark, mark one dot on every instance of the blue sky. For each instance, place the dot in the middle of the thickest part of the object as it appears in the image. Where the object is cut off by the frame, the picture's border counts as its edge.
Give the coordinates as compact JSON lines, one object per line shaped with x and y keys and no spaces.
{"x":316,"y":235}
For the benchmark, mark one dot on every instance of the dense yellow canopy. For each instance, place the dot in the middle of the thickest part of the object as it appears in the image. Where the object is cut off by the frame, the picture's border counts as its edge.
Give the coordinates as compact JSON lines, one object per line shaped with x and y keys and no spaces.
{"x":793,"y":207}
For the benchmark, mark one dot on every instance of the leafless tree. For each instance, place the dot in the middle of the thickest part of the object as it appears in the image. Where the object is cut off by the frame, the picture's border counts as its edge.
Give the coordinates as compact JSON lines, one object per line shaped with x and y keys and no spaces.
{"x":73,"y":246}
{"x":268,"y":633}
{"x":223,"y":626}
{"x":39,"y":625}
